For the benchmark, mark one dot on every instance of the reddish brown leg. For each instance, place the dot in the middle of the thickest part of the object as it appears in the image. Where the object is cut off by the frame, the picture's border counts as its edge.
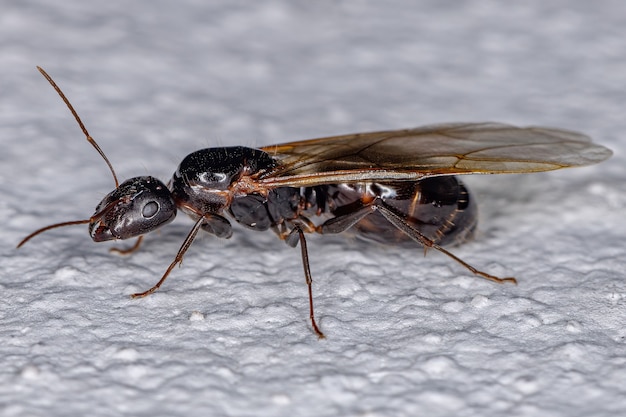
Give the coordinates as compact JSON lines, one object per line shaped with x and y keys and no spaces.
{"x":292,"y":240}
{"x":130,"y":250}
{"x":414,"y":234}
{"x":177,"y":260}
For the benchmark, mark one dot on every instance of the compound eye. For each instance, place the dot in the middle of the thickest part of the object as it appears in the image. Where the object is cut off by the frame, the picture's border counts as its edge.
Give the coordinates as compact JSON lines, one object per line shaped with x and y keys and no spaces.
{"x":150,"y":209}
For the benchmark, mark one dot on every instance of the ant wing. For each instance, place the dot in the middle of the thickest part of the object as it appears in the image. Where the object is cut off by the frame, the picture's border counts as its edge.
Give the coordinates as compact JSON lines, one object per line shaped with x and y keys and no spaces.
{"x":412,"y":154}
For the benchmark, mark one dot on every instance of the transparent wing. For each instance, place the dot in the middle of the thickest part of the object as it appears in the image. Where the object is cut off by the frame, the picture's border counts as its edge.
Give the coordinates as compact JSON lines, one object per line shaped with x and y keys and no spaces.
{"x":447,"y":149}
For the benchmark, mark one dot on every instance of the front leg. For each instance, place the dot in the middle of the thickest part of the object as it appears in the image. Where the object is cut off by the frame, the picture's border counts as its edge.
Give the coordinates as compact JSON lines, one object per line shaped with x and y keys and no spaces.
{"x":130,"y":250}
{"x":177,"y":260}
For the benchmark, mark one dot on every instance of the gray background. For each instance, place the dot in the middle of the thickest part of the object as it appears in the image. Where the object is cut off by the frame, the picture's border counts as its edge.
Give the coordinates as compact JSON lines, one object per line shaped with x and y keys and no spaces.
{"x":228,"y":334}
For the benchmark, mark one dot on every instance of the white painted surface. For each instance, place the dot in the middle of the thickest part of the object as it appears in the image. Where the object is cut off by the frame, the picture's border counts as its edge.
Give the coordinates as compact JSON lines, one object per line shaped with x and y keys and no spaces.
{"x":228,"y":334}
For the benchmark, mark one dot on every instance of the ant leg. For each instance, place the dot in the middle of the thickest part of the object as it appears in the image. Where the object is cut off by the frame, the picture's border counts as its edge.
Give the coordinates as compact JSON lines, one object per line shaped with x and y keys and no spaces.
{"x":297,"y":235}
{"x":177,"y":260}
{"x":130,"y":250}
{"x":399,"y":222}
{"x":342,"y":223}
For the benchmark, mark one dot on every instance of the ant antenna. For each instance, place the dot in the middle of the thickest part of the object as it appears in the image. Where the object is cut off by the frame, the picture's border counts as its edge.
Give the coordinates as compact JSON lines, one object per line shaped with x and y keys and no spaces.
{"x":52,"y":226}
{"x":90,"y":140}
{"x":80,"y":123}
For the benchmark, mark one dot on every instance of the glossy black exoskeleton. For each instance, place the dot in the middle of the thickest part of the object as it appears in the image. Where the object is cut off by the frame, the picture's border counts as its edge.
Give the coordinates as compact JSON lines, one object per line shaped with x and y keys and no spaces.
{"x":139,"y":205}
{"x":395,"y":187}
{"x":217,"y":183}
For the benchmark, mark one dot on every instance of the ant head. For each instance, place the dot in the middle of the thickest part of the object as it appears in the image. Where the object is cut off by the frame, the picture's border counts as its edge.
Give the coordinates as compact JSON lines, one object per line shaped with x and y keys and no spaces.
{"x":139,"y":205}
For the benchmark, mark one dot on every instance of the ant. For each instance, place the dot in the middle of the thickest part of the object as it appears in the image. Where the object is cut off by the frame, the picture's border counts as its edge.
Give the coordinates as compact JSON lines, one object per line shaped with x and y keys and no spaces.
{"x":397,"y":187}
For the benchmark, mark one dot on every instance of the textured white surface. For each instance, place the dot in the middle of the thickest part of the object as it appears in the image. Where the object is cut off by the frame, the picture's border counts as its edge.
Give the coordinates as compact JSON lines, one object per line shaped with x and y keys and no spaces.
{"x":228,"y":334}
